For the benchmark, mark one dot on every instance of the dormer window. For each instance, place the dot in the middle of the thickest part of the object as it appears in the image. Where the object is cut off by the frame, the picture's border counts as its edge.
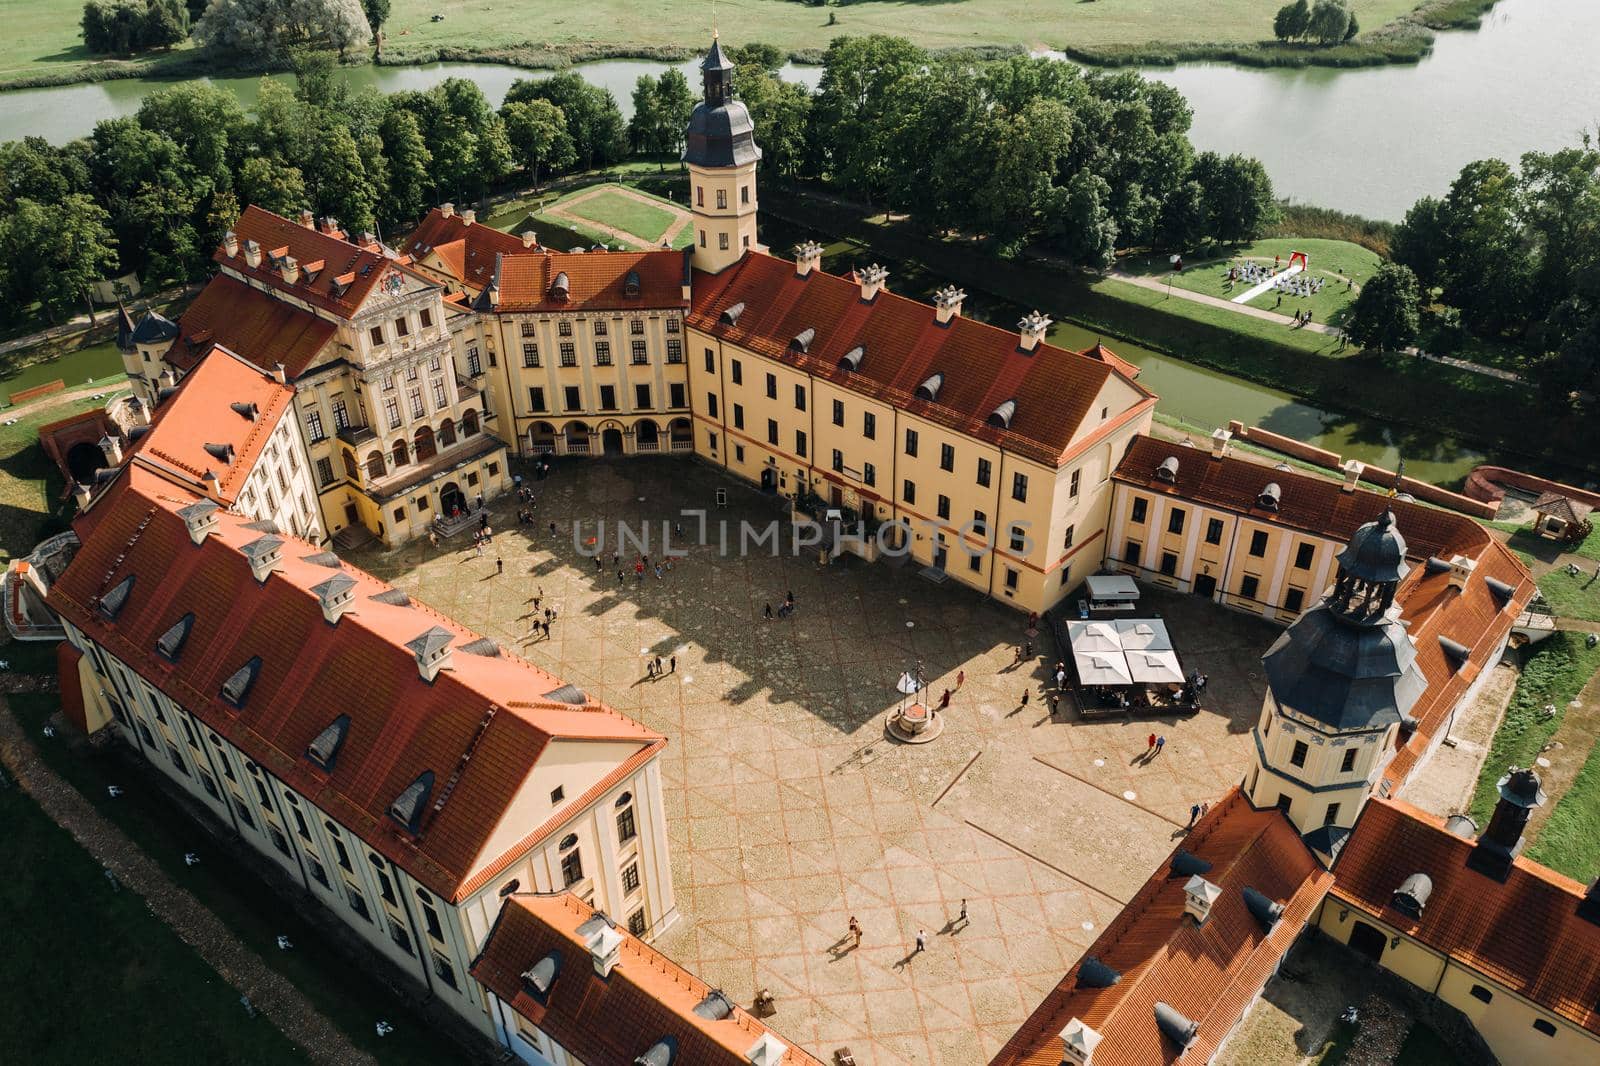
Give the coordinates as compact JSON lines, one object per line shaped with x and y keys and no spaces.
{"x":1269,"y":497}
{"x":237,"y":688}
{"x":1001,"y":417}
{"x":1168,"y":470}
{"x":630,"y":284}
{"x":112,"y":602}
{"x":802,"y":340}
{"x":929,"y":389}
{"x":730,"y":316}
{"x":324,"y":749}
{"x":408,"y":806}
{"x":560,"y":288}
{"x":540,"y":978}
{"x":851,"y":360}
{"x":170,"y":643}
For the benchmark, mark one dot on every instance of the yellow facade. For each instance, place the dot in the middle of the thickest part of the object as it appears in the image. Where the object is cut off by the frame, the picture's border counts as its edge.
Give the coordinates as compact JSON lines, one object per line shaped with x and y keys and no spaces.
{"x":722,"y":203}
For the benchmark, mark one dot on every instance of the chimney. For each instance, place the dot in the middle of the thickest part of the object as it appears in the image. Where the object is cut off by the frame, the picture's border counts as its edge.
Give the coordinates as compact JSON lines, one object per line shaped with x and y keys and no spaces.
{"x":947,"y":304}
{"x":1078,"y":1042}
{"x":252,"y":254}
{"x":493,"y":292}
{"x":212,"y":482}
{"x":1460,"y":570}
{"x":112,"y":447}
{"x":1032,"y":329}
{"x":447,"y":210}
{"x":1353,"y":469}
{"x":530,"y":239}
{"x":1198,"y":896}
{"x":263,"y":554}
{"x":432,"y":652}
{"x":1501,"y":843}
{"x":768,"y":1051}
{"x":330,"y":225}
{"x":368,"y":238}
{"x":280,"y":373}
{"x":139,"y":411}
{"x":1221,"y":443}
{"x":468,"y":217}
{"x":807,"y":257}
{"x":605,"y":949}
{"x":289,"y":267}
{"x":336,"y":595}
{"x":873,"y":279}
{"x":199,"y":518}
{"x":168,"y":379}
{"x":307,"y":219}
{"x":82,"y":493}
{"x":230,"y":244}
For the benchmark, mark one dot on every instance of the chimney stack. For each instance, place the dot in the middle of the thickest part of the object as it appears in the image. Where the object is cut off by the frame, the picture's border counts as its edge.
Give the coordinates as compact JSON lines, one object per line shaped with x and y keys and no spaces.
{"x":252,"y":254}
{"x":947,"y":304}
{"x":112,"y":447}
{"x":605,"y":948}
{"x":330,"y":225}
{"x":336,"y":595}
{"x":807,"y":257}
{"x":139,"y":411}
{"x":199,"y":518}
{"x":1032,"y":329}
{"x":1078,"y":1042}
{"x":469,"y":216}
{"x":212,"y":482}
{"x":447,"y":210}
{"x":873,"y":279}
{"x":289,"y":267}
{"x":768,"y":1051}
{"x":280,"y":373}
{"x":1221,"y":443}
{"x":263,"y":554}
{"x":1198,"y":896}
{"x":1353,"y":469}
{"x":530,"y":239}
{"x":82,"y":493}
{"x":230,"y":244}
{"x":1501,"y":843}
{"x":1461,"y":569}
{"x":432,"y":652}
{"x":307,"y":219}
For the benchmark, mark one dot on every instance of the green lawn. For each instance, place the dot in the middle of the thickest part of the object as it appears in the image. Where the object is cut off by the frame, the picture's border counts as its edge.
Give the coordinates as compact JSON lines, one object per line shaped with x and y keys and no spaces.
{"x":30,"y":485}
{"x":1273,"y":333}
{"x":619,"y":210}
{"x":98,"y":979}
{"x":1566,"y":841}
{"x":1572,"y":597}
{"x":1554,"y":672}
{"x":255,"y":913}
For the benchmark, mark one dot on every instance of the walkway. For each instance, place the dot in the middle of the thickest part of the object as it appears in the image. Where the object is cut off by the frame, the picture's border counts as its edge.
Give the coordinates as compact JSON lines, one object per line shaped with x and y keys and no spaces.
{"x":1155,"y":284}
{"x":1567,"y":751}
{"x":80,"y":323}
{"x":1269,"y":282}
{"x":270,"y":992}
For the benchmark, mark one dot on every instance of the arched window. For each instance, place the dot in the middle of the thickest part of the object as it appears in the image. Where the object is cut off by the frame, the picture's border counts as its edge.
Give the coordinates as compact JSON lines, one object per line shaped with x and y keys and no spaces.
{"x":569,"y":842}
{"x":447,"y":433}
{"x":424,"y":444}
{"x":400,"y":452}
{"x":350,"y":469}
{"x":623,"y":800}
{"x":510,"y":887}
{"x":469,"y":422}
{"x":375,"y":467}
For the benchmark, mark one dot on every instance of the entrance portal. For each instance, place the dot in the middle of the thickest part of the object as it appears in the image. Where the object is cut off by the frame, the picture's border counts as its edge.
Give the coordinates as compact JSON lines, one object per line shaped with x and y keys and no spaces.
{"x":1205,"y":585}
{"x":1366,"y":940}
{"x":769,"y":479}
{"x":611,"y":441}
{"x":451,"y":500}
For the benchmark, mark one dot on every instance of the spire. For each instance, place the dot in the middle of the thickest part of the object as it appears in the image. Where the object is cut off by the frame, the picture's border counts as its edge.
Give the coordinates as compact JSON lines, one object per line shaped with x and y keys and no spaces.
{"x":125,"y":328}
{"x":716,"y":72}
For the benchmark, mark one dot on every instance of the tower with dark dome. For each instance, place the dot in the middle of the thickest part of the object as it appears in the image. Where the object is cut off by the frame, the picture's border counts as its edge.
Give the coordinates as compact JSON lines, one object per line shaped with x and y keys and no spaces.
{"x":721,"y":153}
{"x":1341,"y":683}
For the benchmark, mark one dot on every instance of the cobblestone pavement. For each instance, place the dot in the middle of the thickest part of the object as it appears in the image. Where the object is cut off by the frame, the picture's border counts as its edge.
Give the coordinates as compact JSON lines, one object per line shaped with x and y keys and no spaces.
{"x":270,"y":992}
{"x":788,"y":810}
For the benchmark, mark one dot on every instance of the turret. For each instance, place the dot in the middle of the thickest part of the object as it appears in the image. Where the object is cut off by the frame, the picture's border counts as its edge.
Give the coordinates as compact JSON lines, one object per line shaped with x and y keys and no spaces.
{"x":721,"y":154}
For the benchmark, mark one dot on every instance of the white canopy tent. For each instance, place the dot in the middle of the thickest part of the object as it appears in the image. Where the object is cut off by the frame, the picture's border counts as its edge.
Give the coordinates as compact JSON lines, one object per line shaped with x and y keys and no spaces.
{"x":1143,"y":634}
{"x":1155,"y":667}
{"x":1095,"y":637}
{"x":1102,"y":669}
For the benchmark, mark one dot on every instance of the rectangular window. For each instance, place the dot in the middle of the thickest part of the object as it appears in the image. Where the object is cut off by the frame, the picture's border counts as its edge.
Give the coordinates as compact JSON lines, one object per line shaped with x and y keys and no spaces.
{"x":1169,"y":563}
{"x":572,"y":868}
{"x":569,"y":354}
{"x":1141,"y":507}
{"x":1072,"y":484}
{"x":443,"y":970}
{"x":736,"y":368}
{"x":1331,"y":815}
{"x":838,"y":461}
{"x":711,"y":404}
{"x":1297,"y":757}
{"x":564,"y":327}
{"x":975,"y":562}
{"x":908,"y":492}
{"x":1175,"y":521}
{"x":636,"y":924}
{"x":1214,"y":531}
{"x":324,"y":471}
{"x":838,"y":412}
{"x":314,"y":426}
{"x":738,"y":416}
{"x":869,"y":425}
{"x":530,"y":354}
{"x":210,"y":784}
{"x":1130,"y":552}
{"x":1011,"y":579}
{"x":799,"y":397}
{"x":722,"y":199}
{"x":869,"y":474}
{"x":772,"y":387}
{"x":1019,"y":487}
{"x":1548,"y":1028}
{"x":317,"y":871}
{"x":984,"y":471}
{"x":672,"y":325}
{"x":772,"y":431}
{"x":641,"y":396}
{"x":398,"y":934}
{"x":911,"y":442}
{"x":1066,"y":541}
{"x":375,"y":334}
{"x":722,"y":241}
{"x":440,"y":401}
{"x":947,"y":457}
{"x":711,"y":365}
{"x":1482,"y":994}
{"x":943,"y":506}
{"x":536,"y":399}
{"x":599,"y":327}
{"x":678,"y":394}
{"x":1249,"y":586}
{"x":474,"y":365}
{"x":674,"y":351}
{"x":1303,"y":556}
{"x":1348,"y":763}
{"x":738,"y":452}
{"x":626,"y":830}
{"x":425,"y":317}
{"x":608,"y":397}
{"x":529,"y":329}
{"x":980,"y":523}
{"x":417,"y":410}
{"x":630,"y":878}
{"x":244,"y":813}
{"x":1258,"y":543}
{"x":391,"y":411}
{"x":341,"y":416}
{"x":800,"y":443}
{"x":1294,"y":599}
{"x":637,"y":350}
{"x":602,"y":353}
{"x":1019,"y":538}
{"x":572,"y":397}
{"x":401,"y":327}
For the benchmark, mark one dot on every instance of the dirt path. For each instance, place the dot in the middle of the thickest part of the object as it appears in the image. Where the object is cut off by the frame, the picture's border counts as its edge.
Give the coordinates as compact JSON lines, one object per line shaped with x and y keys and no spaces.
{"x":1567,"y":751}
{"x":1444,"y":785}
{"x":61,"y":397}
{"x":270,"y":992}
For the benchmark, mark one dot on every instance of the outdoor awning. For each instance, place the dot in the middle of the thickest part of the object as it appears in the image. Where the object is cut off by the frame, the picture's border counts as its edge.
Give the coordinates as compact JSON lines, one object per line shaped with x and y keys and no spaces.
{"x":1111,"y":669}
{"x":1143,"y":634}
{"x":1105,"y":588}
{"x":1094,"y":637}
{"x":1155,"y":667}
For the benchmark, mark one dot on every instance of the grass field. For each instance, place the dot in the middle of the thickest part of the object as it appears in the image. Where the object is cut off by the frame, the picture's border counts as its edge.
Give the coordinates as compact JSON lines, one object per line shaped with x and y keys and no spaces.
{"x":1332,"y":260}
{"x":99,"y":979}
{"x":1566,"y":842}
{"x":1572,"y":597}
{"x":619,"y":210}
{"x":30,"y":484}
{"x":1553,"y":673}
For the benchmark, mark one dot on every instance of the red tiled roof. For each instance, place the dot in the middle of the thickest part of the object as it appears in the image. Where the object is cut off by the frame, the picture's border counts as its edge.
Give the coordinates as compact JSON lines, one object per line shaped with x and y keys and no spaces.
{"x":614,"y":1019}
{"x":595,"y":280}
{"x":1525,"y":934}
{"x":1209,"y":973}
{"x":1054,"y":389}
{"x":467,"y":252}
{"x":264,"y":330}
{"x":200,"y":413}
{"x":1310,"y":503}
{"x":312,"y":672}
{"x":358,"y":268}
{"x":72,"y":706}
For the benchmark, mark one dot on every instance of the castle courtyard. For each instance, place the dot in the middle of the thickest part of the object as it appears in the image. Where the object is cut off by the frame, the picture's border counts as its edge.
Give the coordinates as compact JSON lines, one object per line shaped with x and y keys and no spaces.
{"x":790,"y":811}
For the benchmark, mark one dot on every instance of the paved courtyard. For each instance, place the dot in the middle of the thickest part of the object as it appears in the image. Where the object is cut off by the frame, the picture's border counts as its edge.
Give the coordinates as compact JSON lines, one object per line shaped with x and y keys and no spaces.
{"x":789,"y":811}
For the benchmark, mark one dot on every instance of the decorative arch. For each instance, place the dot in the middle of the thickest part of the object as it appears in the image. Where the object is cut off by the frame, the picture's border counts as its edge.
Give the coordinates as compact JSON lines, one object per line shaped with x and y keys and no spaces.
{"x":400,"y":456}
{"x":469,"y":422}
{"x":422,"y":444}
{"x":447,"y":433}
{"x":375,"y":467}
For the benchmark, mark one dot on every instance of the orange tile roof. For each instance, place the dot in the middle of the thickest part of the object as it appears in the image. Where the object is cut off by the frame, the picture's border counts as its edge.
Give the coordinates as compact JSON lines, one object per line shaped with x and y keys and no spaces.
{"x":467,"y":252}
{"x":312,"y":672}
{"x":1310,"y":503}
{"x":615,"y":1019}
{"x":595,"y":280}
{"x":1054,"y":389}
{"x":264,"y":330}
{"x":1210,"y":973}
{"x":1525,"y":934}
{"x":358,"y":268}
{"x":200,"y":413}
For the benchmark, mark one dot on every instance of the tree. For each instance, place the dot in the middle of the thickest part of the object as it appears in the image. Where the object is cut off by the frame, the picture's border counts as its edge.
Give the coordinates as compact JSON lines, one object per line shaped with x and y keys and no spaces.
{"x":675,"y":103}
{"x":269,"y":184}
{"x":1015,"y":200}
{"x":1089,"y":234}
{"x":204,"y":121}
{"x":538,"y":134}
{"x":1329,"y":21}
{"x":1353,"y":28}
{"x":338,"y":179}
{"x":409,"y":166}
{"x":37,"y":170}
{"x":1487,"y":270}
{"x":1183,"y":217}
{"x":644,"y":126}
{"x":1239,"y":202}
{"x":273,"y":27}
{"x":594,"y":122}
{"x":127,"y":26}
{"x":377,"y":12}
{"x":780,"y":111}
{"x":767,"y":57}
{"x":848,"y":137}
{"x":1420,"y":242}
{"x":1385,"y":313}
{"x":1292,"y":21}
{"x":57,"y":251}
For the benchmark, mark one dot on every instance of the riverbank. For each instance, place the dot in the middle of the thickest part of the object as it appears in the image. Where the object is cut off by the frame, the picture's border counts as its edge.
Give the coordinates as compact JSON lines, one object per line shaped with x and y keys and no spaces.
{"x":49,"y":50}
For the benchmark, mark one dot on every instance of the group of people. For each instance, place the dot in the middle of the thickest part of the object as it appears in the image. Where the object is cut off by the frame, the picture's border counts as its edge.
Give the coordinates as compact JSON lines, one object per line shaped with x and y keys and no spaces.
{"x":785,"y":609}
{"x":654,"y":667}
{"x":1300,"y":284}
{"x":542,"y":616}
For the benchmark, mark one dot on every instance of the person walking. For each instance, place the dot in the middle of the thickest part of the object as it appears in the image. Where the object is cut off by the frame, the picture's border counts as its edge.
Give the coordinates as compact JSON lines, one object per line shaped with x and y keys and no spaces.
{"x":855,"y":931}
{"x":672,"y":665}
{"x":944,"y":700}
{"x":962,"y":917}
{"x":1025,"y":694}
{"x":1150,"y":744}
{"x":1194,"y":814}
{"x":552,"y":527}
{"x":961,"y":679}
{"x":922,"y":941}
{"x":766,"y":612}
{"x":1161,"y":742}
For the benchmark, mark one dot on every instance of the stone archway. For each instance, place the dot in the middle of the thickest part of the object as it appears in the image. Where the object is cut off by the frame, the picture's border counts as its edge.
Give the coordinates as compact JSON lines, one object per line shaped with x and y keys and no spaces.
{"x":577,"y":438}
{"x":84,"y":460}
{"x":541,"y":438}
{"x":422,"y":444}
{"x":452,"y":499}
{"x":680,"y":434}
{"x":646,"y":436}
